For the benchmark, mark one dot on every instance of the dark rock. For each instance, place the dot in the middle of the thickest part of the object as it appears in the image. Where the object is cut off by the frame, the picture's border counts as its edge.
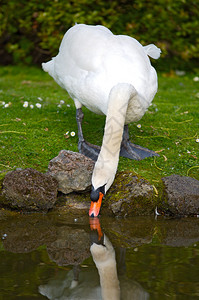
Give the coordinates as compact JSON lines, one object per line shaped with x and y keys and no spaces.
{"x":181,"y":195}
{"x":72,"y":170}
{"x":74,"y":203}
{"x":130,"y":196}
{"x":29,"y":190}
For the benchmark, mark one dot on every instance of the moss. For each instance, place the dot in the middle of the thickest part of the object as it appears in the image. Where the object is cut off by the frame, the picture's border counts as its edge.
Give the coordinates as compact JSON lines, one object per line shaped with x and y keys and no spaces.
{"x":2,"y":176}
{"x":130,"y":195}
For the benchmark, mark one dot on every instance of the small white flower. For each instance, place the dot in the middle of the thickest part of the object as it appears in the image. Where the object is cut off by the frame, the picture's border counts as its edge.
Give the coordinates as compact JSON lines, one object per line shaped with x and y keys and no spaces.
{"x":39,"y":98}
{"x":62,"y":101}
{"x":139,"y":125}
{"x":197,"y":140}
{"x":31,"y":106}
{"x":3,"y":103}
{"x":38,"y":105}
{"x":67,"y":132}
{"x":188,"y":152}
{"x":68,"y":105}
{"x":6,"y":105}
{"x":72,"y":133}
{"x":59,"y":105}
{"x":25,"y":104}
{"x":196,"y":78}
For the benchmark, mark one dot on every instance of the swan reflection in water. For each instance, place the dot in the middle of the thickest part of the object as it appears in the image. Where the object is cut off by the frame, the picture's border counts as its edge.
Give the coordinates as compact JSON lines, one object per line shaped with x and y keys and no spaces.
{"x":89,"y":284}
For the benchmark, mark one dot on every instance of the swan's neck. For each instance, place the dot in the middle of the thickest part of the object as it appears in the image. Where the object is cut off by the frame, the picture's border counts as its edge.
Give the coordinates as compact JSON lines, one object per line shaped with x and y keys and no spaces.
{"x":107,"y":162}
{"x":104,"y":258}
{"x":109,"y":281}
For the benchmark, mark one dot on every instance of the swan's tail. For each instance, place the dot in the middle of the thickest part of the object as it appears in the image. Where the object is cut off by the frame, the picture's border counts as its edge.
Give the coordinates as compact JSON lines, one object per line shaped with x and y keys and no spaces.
{"x":152,"y":51}
{"x":48,"y":67}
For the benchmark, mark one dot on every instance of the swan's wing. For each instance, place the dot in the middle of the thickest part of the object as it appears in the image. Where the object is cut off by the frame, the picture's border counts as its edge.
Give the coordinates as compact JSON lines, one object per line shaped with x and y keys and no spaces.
{"x":152,"y":51}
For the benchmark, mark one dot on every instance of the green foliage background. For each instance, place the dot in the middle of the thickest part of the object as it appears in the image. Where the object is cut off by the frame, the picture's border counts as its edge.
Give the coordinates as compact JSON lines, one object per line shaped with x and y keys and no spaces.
{"x":31,"y":31}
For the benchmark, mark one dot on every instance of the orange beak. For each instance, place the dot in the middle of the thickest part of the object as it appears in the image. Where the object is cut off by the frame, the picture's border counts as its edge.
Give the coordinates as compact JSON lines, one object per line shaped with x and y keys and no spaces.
{"x":95,"y":206}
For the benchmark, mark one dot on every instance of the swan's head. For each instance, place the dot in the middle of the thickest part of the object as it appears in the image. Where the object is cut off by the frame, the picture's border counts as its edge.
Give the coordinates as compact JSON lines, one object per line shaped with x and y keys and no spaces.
{"x":102,"y":178}
{"x":96,"y":200}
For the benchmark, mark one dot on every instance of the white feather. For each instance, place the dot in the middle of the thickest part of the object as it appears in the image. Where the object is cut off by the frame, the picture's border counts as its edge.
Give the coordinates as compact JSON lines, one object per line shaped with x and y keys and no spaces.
{"x":152,"y":51}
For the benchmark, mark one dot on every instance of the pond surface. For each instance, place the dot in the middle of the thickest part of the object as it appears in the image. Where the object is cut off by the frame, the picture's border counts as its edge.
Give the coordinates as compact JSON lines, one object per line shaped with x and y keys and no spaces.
{"x":57,"y":256}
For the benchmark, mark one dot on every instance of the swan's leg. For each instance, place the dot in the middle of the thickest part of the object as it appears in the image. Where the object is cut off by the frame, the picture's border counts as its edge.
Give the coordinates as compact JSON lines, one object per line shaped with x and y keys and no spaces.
{"x":84,"y":147}
{"x":128,"y":149}
{"x":133,"y":151}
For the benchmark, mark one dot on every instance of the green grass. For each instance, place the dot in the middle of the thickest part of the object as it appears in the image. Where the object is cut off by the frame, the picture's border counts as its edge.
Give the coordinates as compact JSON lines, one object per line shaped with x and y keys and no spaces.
{"x":31,"y":137}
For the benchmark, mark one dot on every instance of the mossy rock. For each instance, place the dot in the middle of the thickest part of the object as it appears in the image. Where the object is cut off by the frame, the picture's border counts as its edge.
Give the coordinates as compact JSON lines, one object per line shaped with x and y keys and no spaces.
{"x":73,"y":203}
{"x":130,"y":196}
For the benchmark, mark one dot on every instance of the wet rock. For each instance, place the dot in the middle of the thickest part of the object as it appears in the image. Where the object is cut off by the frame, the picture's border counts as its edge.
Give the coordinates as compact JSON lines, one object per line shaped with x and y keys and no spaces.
{"x":72,"y":170}
{"x":181,"y":195}
{"x":130,"y":196}
{"x":74,"y":203}
{"x":29,"y":190}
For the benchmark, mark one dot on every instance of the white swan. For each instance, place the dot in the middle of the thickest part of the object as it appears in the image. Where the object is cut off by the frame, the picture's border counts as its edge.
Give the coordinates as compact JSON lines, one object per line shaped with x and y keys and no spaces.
{"x":111,"y":75}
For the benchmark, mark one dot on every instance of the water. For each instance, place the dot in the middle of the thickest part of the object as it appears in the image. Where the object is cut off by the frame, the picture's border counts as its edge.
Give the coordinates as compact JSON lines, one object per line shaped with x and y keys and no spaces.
{"x":48,"y":257}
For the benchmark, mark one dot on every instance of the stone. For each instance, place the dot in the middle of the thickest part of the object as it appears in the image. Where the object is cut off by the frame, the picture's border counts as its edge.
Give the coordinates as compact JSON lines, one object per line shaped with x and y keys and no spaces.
{"x":29,"y":190}
{"x":74,"y":203}
{"x":181,"y":195}
{"x":72,"y":170}
{"x":130,"y":196}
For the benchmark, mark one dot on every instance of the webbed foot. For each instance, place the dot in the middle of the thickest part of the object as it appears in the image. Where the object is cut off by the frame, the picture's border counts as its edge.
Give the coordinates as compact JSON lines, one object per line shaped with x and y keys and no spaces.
{"x":136,"y":152}
{"x":89,"y":150}
{"x":133,"y":151}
